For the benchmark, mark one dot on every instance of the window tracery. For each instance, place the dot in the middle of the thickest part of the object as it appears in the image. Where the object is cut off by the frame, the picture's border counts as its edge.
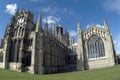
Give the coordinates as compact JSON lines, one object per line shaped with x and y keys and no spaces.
{"x":95,"y":47}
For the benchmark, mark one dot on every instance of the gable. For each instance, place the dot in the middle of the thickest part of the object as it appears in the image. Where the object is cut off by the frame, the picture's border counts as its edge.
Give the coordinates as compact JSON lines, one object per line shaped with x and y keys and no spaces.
{"x":93,"y":30}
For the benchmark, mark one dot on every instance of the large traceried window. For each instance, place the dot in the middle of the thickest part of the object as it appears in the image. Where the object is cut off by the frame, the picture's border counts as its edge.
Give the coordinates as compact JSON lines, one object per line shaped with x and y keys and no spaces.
{"x":95,"y":47}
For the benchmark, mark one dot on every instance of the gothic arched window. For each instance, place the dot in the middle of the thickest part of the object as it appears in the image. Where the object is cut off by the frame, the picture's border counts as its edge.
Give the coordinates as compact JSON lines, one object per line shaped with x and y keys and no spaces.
{"x":1,"y":57}
{"x":15,"y":32}
{"x":95,"y":47}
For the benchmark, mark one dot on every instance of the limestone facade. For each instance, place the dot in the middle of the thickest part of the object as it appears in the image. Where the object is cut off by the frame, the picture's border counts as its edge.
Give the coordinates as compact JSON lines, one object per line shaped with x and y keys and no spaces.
{"x":29,"y":47}
{"x":94,"y":48}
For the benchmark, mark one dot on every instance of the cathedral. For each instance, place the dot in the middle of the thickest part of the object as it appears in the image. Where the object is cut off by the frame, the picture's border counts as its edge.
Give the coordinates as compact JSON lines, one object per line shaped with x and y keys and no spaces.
{"x":29,"y":47}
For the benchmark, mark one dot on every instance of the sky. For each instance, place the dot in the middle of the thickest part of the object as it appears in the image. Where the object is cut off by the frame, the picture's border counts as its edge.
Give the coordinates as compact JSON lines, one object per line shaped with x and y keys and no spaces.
{"x":67,"y":13}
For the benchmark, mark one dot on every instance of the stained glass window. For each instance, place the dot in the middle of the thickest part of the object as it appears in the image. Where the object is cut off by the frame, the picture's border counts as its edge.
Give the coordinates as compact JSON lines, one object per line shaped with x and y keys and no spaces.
{"x":95,"y":47}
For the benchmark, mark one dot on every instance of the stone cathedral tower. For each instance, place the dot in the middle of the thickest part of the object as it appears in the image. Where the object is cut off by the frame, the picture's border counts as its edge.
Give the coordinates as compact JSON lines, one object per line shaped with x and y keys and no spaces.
{"x":27,"y":47}
{"x":17,"y":40}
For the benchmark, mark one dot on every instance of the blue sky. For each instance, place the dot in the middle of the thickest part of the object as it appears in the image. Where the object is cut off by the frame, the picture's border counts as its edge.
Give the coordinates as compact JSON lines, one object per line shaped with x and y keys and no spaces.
{"x":67,"y":13}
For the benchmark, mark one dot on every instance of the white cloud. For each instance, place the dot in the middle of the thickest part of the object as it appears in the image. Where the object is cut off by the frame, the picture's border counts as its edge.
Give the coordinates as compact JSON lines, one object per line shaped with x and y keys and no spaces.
{"x":112,"y":5}
{"x":51,"y":19}
{"x":98,"y":25}
{"x":117,"y":44}
{"x":88,"y":26}
{"x":11,"y":8}
{"x":70,"y":11}
{"x":73,"y":33}
{"x":51,"y":9}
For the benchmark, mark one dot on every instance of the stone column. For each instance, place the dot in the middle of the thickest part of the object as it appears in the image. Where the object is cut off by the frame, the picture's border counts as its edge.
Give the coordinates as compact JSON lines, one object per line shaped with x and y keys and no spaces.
{"x":20,"y":56}
{"x":20,"y":51}
{"x":6,"y":52}
{"x":16,"y":51}
{"x":32,"y":66}
{"x":18,"y":31}
{"x":86,"y":66}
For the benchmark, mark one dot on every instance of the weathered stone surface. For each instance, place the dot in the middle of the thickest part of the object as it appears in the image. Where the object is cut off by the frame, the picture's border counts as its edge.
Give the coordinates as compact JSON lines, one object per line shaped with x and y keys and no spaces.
{"x":27,"y":47}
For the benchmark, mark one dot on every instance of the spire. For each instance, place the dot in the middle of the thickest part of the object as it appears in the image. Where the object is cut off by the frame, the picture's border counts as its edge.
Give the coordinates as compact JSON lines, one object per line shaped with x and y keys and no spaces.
{"x":106,"y":25}
{"x":78,"y":27}
{"x":39,"y":23}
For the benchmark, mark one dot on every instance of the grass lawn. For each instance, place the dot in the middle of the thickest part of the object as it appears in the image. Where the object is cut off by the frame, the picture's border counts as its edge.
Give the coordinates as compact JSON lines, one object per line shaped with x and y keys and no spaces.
{"x":112,"y":73}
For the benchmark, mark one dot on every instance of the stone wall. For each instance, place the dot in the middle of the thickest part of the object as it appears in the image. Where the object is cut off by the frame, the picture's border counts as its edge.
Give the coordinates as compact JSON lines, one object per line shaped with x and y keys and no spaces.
{"x":99,"y":63}
{"x":1,"y":58}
